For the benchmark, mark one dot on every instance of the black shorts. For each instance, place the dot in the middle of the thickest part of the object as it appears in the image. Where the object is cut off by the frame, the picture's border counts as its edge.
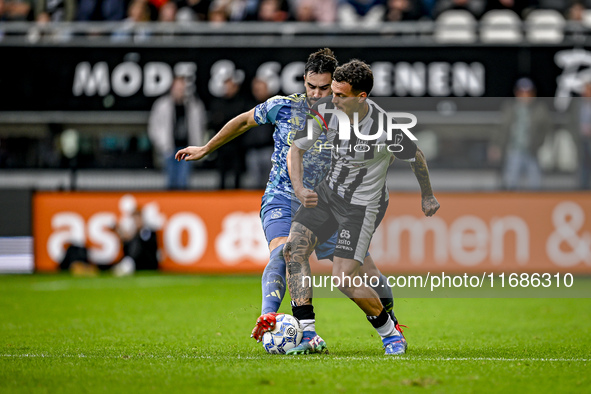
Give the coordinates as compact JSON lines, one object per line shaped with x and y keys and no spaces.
{"x":354,"y":224}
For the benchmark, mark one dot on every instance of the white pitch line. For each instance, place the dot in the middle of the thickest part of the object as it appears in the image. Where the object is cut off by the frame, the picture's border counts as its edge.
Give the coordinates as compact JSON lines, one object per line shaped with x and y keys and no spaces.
{"x":113,"y":283}
{"x":347,"y":358}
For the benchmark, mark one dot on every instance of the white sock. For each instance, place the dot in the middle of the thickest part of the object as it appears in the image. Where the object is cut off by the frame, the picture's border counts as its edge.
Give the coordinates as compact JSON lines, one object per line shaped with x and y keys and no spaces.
{"x":388,"y":329}
{"x":308,"y":325}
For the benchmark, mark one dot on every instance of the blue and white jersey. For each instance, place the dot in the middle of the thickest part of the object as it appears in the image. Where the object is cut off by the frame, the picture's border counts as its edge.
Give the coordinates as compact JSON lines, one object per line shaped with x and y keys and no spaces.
{"x":289,"y":115}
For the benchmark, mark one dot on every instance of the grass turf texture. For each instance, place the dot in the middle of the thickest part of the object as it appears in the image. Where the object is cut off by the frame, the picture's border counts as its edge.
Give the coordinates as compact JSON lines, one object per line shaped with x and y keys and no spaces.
{"x":159,"y":333}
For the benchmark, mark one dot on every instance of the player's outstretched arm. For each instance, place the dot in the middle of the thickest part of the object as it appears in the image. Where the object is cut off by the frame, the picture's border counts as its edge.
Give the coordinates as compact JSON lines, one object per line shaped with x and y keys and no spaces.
{"x":430,"y":205}
{"x":231,"y":130}
{"x":295,"y":168}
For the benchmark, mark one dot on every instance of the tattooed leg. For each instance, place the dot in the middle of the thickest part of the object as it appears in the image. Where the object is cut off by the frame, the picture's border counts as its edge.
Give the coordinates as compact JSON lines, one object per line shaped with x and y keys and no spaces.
{"x":297,"y":250}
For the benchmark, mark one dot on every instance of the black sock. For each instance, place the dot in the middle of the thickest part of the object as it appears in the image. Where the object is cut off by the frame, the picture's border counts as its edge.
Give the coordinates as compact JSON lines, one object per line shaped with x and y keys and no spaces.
{"x":385,"y":293}
{"x":379,"y":321}
{"x":304,"y":312}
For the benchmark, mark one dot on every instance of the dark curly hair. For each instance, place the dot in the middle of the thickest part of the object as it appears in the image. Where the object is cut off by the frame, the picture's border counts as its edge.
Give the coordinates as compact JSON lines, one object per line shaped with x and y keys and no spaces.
{"x":321,"y":61}
{"x":356,"y":73}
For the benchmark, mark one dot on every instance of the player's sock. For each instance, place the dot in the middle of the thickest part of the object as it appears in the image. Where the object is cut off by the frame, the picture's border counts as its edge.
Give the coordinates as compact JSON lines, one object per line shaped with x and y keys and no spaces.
{"x":305,"y":314}
{"x":385,"y":293}
{"x":273,"y":281}
{"x":311,"y":342}
{"x":383,"y":324}
{"x":392,"y":339}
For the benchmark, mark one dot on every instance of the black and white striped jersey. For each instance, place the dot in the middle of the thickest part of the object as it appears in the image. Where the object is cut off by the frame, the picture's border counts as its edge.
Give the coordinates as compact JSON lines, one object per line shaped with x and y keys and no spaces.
{"x":358,"y":164}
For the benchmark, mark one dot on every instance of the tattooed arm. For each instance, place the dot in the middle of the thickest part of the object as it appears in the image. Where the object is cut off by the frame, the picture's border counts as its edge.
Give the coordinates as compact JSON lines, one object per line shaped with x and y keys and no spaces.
{"x":295,"y":169}
{"x":419,"y":167}
{"x":296,"y":251}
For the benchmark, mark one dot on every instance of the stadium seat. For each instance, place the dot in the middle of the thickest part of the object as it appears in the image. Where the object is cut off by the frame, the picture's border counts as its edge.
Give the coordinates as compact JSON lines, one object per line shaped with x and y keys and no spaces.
{"x":545,"y":26}
{"x":428,"y":141}
{"x":566,"y":151}
{"x":559,"y":152}
{"x":455,"y":26}
{"x":500,"y":26}
{"x":587,"y":19}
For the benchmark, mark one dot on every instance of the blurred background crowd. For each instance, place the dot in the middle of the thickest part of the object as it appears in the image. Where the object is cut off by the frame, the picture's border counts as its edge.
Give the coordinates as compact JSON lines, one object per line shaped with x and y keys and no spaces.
{"x":325,"y":11}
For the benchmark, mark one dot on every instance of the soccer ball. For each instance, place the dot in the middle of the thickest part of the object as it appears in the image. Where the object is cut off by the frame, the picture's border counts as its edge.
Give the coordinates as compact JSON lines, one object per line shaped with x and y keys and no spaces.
{"x":286,"y":335}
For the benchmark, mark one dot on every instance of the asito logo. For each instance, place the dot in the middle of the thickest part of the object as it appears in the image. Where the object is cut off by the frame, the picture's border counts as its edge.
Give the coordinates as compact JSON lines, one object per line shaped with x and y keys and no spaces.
{"x":386,"y":124}
{"x":344,"y":240}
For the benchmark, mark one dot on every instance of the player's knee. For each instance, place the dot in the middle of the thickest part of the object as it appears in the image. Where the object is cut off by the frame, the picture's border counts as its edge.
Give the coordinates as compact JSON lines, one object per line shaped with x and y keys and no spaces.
{"x":295,"y":267}
{"x":370,"y":270}
{"x":345,"y":267}
{"x":294,"y":247}
{"x":287,"y":250}
{"x":294,"y":238}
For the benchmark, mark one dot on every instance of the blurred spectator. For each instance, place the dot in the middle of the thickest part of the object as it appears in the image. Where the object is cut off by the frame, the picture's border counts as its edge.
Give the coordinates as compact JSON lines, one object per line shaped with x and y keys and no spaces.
{"x":41,"y":29}
{"x":475,"y":7}
{"x":137,"y":12}
{"x":140,"y":250}
{"x":259,"y":143}
{"x":576,"y":12}
{"x":231,"y":157}
{"x":405,"y":10}
{"x":273,"y":11}
{"x":55,"y":10}
{"x":140,"y":246}
{"x":101,"y":10}
{"x":176,"y":121}
{"x":15,"y":10}
{"x":370,"y":12}
{"x":520,"y":7}
{"x":233,"y":10}
{"x":185,"y":15}
{"x":428,"y":7}
{"x":167,"y":12}
{"x":315,"y":11}
{"x":199,"y":9}
{"x":242,"y":10}
{"x":304,"y":11}
{"x":580,"y":114}
{"x":76,"y":255}
{"x":218,"y":12}
{"x":42,"y":18}
{"x":154,"y":8}
{"x":3,"y":12}
{"x":524,"y":126}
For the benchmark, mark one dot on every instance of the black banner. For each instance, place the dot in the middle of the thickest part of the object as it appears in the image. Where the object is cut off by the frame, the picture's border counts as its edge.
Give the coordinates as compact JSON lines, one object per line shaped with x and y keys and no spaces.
{"x":131,"y":78}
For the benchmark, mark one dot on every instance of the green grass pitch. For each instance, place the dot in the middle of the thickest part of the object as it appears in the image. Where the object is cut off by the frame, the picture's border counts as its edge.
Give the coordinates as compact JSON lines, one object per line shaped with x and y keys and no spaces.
{"x":164,"y":333}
